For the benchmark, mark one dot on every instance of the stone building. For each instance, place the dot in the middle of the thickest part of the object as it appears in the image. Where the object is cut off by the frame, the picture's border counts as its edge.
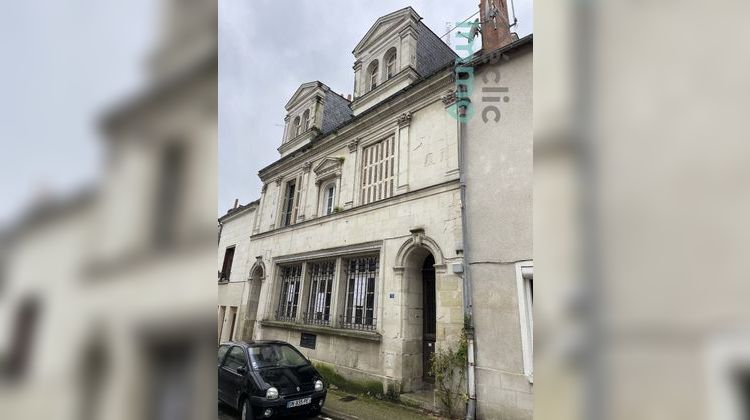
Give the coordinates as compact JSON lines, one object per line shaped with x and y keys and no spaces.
{"x":358,"y":226}
{"x":358,"y":246}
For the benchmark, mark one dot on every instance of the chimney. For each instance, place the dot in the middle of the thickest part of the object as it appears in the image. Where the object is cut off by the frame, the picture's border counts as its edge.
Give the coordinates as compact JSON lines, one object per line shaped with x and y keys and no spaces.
{"x":236,"y":202}
{"x":495,"y":24}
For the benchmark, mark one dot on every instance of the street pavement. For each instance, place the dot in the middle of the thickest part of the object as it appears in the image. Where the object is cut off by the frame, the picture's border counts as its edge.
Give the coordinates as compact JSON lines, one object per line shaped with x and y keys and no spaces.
{"x":227,"y":413}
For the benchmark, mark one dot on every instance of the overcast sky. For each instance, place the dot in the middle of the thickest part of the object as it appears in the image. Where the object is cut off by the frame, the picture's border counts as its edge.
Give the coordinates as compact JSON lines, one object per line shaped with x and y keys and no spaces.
{"x":267,"y":48}
{"x":64,"y":63}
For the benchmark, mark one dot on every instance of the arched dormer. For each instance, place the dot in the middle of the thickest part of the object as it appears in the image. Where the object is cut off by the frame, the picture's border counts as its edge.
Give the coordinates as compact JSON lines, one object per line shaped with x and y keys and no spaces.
{"x":405,"y":51}
{"x":314,"y":109}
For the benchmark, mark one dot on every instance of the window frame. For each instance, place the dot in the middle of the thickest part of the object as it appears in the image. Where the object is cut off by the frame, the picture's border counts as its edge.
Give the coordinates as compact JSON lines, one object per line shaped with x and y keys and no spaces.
{"x":369,"y":169}
{"x":348,"y":317}
{"x":391,"y":57}
{"x":326,"y":198}
{"x":288,"y":310}
{"x":224,"y":275}
{"x":372,"y":75}
{"x":313,"y":285}
{"x":524,"y":288}
{"x":289,"y":204}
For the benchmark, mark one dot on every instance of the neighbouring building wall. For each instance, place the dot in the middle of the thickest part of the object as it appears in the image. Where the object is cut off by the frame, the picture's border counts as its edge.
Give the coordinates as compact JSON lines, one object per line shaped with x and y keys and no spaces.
{"x":499,"y":178}
{"x":236,"y":228}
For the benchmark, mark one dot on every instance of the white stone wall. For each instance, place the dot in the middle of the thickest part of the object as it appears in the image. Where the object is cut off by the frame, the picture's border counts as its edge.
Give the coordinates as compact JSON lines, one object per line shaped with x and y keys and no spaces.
{"x":236,"y":231}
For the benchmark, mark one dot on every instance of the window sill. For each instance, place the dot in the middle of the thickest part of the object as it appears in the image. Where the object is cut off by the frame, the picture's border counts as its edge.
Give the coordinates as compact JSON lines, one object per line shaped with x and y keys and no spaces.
{"x":364,"y":335}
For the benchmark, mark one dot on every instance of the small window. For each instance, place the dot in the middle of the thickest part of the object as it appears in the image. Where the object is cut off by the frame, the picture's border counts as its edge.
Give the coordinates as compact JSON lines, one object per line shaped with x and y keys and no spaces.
{"x":390,"y":66}
{"x":306,"y":120}
{"x":359,"y":311}
{"x":372,"y":76}
{"x":321,"y":284}
{"x":525,"y":279}
{"x":329,"y":197}
{"x":291,"y":277}
{"x":296,"y":127}
{"x":226,"y":267}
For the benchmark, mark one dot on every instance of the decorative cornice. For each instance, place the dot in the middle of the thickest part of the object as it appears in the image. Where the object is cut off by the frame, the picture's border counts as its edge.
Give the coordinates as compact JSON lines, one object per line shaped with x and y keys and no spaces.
{"x":278,"y":180}
{"x":353,"y":145}
{"x":449,"y":98}
{"x":404,"y":119}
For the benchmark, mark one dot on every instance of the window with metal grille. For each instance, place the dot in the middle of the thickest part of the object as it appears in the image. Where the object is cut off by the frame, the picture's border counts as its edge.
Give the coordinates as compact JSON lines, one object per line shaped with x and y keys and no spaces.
{"x":291,"y":277}
{"x":359,"y":312}
{"x":378,"y":171}
{"x":321,"y":283}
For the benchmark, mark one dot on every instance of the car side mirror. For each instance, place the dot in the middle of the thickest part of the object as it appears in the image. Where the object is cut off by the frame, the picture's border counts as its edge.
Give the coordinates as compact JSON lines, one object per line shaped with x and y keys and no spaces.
{"x":242,"y":370}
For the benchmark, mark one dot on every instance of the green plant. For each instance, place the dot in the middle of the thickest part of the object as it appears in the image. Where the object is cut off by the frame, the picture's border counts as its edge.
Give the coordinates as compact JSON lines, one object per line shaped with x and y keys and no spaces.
{"x":449,"y":369}
{"x":337,"y":209}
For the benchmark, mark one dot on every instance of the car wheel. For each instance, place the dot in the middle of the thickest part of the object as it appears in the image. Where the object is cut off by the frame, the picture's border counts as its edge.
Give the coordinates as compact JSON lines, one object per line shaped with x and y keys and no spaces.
{"x":246,"y":411}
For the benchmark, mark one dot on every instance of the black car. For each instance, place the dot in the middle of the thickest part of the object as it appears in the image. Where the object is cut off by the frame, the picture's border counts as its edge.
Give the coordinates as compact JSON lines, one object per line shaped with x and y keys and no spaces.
{"x":263,"y":379}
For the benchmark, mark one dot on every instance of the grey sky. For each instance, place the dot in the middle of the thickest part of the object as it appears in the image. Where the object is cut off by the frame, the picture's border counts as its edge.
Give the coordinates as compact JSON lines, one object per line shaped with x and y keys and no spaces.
{"x":267,"y":48}
{"x":64,"y":63}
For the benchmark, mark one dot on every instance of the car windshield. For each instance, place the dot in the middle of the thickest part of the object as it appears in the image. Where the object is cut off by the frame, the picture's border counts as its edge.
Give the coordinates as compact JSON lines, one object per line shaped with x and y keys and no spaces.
{"x":275,"y":355}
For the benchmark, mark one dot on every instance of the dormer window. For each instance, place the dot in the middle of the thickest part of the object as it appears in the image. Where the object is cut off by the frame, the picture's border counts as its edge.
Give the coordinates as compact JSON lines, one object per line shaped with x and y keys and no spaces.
{"x":306,"y":120}
{"x":390,"y":63}
{"x":372,"y":76}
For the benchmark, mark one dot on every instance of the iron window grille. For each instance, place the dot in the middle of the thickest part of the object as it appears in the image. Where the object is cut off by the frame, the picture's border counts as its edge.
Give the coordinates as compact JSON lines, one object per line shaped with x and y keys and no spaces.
{"x":319,"y":301}
{"x":291,"y":277}
{"x":378,"y":173}
{"x":359,"y":312}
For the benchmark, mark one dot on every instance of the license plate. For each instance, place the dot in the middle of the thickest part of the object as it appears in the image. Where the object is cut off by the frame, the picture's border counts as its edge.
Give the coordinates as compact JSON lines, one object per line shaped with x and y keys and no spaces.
{"x":297,"y":403}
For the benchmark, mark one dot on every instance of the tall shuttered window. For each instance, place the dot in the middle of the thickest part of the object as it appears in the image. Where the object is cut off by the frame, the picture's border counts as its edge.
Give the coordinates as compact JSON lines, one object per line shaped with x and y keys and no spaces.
{"x":359,"y":312}
{"x":378,"y":171}
{"x":291,"y":280}
{"x":321,"y":284}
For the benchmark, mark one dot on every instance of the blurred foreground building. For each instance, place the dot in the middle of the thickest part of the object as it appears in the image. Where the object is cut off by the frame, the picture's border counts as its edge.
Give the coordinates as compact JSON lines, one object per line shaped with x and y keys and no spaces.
{"x":104,"y":310}
{"x":360,"y":249}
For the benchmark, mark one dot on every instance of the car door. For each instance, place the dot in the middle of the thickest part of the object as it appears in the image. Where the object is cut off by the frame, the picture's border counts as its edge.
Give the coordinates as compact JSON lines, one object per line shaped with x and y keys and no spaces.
{"x":223,"y":349}
{"x":232,"y":376}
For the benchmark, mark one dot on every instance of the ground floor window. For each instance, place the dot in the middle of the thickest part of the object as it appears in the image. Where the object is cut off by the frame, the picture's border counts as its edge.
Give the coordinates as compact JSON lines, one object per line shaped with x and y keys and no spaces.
{"x":291,"y":277}
{"x":321,"y":283}
{"x":338,"y":292}
{"x":359,"y":312}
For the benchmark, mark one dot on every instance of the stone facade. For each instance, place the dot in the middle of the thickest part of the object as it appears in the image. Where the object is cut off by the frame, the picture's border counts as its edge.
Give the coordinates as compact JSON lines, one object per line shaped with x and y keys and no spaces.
{"x":381,"y":186}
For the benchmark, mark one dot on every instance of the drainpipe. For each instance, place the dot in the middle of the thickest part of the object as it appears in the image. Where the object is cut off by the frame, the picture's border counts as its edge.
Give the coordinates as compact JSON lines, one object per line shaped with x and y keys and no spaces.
{"x":471,"y":406}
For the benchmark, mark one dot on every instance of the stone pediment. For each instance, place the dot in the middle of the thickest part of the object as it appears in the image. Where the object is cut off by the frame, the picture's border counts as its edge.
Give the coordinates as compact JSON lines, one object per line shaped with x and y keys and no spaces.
{"x":385,"y":26}
{"x":328,"y":168}
{"x":302,"y":92}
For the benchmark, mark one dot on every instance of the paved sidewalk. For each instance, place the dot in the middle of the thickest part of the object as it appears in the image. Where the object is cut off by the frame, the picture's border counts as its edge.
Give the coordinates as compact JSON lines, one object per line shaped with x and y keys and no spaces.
{"x":340,"y":405}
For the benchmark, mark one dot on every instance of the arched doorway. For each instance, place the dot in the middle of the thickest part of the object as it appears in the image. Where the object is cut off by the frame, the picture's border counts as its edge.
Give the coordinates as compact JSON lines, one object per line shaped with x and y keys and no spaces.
{"x":420,"y":323}
{"x":429,"y":317}
{"x":255,"y":284}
